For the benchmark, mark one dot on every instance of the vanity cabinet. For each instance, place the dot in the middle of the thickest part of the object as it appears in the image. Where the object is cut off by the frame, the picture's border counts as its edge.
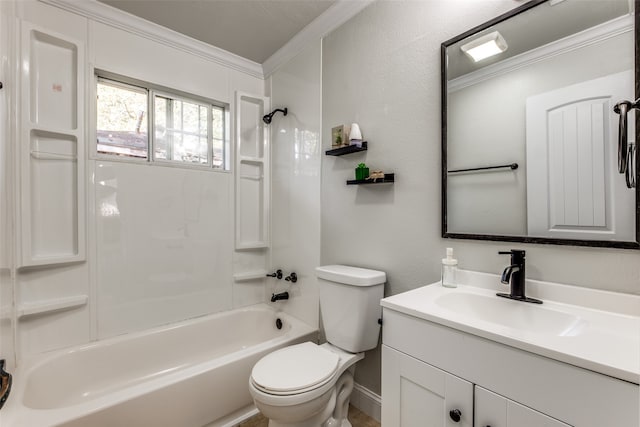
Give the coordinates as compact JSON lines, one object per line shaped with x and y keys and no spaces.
{"x":429,"y":369}
{"x":416,"y":394}
{"x":493,"y":410}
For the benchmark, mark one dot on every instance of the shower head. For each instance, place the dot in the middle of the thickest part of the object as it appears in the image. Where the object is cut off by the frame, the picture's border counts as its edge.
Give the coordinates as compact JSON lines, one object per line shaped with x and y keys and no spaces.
{"x":267,"y":118}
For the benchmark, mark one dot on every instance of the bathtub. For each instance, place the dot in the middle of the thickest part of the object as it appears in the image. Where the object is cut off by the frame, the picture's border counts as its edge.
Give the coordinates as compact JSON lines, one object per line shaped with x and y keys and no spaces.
{"x":193,"y":373}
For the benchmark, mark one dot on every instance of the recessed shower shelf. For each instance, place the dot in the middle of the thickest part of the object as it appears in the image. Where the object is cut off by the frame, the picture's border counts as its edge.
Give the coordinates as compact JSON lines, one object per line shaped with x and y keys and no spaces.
{"x":389,"y":178}
{"x":250,"y":275}
{"x":346,"y":150}
{"x":48,"y":306}
{"x":249,"y":246}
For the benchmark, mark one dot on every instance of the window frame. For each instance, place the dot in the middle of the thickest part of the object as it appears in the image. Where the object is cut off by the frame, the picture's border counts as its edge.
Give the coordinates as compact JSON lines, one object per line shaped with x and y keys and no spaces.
{"x":163,"y":94}
{"x":123,"y":85}
{"x":151,"y":91}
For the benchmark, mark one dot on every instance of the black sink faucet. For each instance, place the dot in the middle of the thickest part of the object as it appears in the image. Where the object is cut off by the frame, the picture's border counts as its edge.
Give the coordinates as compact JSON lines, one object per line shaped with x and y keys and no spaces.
{"x":515,"y":275}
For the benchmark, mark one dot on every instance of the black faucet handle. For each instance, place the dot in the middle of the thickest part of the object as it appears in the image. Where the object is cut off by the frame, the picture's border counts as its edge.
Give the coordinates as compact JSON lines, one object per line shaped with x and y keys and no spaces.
{"x":293,"y":278}
{"x":517,"y":255}
{"x":513,"y":251}
{"x":277,"y":274}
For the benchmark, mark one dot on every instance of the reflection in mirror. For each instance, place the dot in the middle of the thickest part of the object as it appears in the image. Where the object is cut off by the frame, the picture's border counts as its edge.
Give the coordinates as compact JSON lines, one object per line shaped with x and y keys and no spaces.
{"x":529,"y":131}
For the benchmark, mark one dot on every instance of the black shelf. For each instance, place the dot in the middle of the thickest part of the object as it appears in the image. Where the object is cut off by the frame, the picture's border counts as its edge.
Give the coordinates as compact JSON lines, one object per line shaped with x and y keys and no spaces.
{"x":346,"y":150}
{"x":389,"y":178}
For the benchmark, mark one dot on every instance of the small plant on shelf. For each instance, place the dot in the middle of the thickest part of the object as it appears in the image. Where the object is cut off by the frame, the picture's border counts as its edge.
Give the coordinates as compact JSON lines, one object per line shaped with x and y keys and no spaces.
{"x":362,"y":172}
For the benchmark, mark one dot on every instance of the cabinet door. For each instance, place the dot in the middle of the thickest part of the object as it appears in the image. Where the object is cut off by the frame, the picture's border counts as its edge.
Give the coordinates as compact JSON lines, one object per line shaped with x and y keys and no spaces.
{"x":416,"y":394}
{"x":493,"y":410}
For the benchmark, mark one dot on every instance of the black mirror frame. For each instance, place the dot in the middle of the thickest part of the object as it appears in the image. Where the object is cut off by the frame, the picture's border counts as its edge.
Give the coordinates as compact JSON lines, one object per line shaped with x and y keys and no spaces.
{"x":528,"y":239}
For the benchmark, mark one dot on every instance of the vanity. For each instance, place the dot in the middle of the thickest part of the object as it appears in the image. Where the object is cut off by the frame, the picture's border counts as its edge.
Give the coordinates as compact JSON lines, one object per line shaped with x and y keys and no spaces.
{"x":465,"y":357}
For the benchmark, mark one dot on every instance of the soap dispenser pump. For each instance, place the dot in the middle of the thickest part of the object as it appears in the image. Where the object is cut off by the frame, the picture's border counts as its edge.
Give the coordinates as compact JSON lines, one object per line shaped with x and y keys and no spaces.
{"x":449,"y":269}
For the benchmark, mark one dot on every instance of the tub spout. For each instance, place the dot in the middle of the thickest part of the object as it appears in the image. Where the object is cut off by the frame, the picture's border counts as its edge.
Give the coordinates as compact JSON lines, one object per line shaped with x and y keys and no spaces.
{"x":277,"y":297}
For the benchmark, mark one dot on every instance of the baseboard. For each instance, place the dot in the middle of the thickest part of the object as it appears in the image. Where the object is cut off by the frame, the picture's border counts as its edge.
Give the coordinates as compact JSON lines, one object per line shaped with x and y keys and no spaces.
{"x":235,"y":418}
{"x":367,"y":401}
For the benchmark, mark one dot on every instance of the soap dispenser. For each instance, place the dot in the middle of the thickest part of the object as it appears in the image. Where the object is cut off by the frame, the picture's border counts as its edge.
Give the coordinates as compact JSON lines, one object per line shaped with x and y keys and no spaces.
{"x":449,"y":269}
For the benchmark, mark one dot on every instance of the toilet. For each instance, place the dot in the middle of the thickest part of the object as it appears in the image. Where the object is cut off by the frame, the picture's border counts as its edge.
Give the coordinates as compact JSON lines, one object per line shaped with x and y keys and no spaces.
{"x":309,"y":385}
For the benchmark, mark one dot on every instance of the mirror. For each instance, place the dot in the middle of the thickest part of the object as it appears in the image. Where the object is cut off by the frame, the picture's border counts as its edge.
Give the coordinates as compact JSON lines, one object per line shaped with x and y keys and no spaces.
{"x":529,"y":135}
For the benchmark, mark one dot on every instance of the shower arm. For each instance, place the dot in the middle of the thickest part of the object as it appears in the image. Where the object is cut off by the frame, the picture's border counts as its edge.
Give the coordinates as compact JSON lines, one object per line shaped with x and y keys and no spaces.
{"x":267,"y":117}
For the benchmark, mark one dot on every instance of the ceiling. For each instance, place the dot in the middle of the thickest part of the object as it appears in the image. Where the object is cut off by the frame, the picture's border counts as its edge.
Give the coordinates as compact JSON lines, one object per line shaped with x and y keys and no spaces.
{"x":253,"y":29}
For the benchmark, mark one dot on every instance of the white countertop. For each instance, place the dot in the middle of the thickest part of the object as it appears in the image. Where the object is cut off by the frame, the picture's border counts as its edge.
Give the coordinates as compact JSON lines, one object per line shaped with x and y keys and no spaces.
{"x":592,"y":329}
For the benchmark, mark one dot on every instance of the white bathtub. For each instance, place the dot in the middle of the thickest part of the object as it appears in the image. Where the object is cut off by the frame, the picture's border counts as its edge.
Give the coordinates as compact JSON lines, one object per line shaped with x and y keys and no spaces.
{"x":194,"y":373}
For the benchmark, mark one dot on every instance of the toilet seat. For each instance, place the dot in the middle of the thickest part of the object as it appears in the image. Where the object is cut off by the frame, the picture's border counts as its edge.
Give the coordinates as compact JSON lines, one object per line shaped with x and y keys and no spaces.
{"x":294,"y":370}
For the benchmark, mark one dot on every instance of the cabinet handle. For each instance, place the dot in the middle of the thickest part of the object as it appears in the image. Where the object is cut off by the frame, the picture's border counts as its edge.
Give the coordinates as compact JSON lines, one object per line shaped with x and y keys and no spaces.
{"x":455,"y":415}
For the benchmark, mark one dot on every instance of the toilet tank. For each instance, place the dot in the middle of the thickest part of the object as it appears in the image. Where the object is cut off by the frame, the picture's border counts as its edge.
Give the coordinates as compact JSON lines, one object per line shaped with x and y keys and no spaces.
{"x":350,"y":305}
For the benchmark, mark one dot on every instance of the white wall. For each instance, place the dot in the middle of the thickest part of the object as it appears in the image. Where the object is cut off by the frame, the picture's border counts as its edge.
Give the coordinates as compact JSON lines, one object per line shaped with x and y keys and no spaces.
{"x":296,"y":158}
{"x":382,"y":70}
{"x":161,"y":250}
{"x":162,"y":245}
{"x":7,"y":318}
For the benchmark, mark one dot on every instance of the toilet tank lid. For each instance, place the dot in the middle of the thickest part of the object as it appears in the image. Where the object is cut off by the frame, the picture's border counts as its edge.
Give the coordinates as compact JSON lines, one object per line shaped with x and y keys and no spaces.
{"x":348,"y":275}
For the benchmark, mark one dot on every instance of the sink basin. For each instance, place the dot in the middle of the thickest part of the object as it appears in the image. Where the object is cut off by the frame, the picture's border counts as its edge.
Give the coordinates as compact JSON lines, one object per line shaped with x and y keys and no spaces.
{"x":512,"y":314}
{"x":588,"y":328}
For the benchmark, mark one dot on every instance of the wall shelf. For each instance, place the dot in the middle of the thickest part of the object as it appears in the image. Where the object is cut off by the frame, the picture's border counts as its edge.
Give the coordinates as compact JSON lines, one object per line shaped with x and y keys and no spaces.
{"x":389,"y":178}
{"x":346,"y":150}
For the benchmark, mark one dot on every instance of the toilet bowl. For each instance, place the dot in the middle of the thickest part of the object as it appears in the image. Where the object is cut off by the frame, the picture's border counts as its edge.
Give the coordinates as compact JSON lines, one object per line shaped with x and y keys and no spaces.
{"x":309,"y":385}
{"x":305,"y":385}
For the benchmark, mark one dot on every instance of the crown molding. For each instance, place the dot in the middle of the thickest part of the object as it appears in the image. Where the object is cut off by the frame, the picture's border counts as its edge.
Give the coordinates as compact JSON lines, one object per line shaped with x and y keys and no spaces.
{"x":336,"y":15}
{"x":576,"y":41}
{"x":108,"y":15}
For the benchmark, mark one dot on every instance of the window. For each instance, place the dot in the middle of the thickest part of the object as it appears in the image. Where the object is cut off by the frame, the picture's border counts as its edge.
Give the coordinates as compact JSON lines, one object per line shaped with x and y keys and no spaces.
{"x":121,"y":127}
{"x":186,"y":130}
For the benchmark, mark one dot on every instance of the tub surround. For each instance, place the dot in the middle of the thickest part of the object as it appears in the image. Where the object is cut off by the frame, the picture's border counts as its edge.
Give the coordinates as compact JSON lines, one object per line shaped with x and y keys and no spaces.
{"x":295,"y":183}
{"x":159,"y":240}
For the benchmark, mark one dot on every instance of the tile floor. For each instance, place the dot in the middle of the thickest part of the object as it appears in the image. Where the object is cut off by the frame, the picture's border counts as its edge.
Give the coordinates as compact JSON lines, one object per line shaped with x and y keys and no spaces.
{"x":357,"y":418}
